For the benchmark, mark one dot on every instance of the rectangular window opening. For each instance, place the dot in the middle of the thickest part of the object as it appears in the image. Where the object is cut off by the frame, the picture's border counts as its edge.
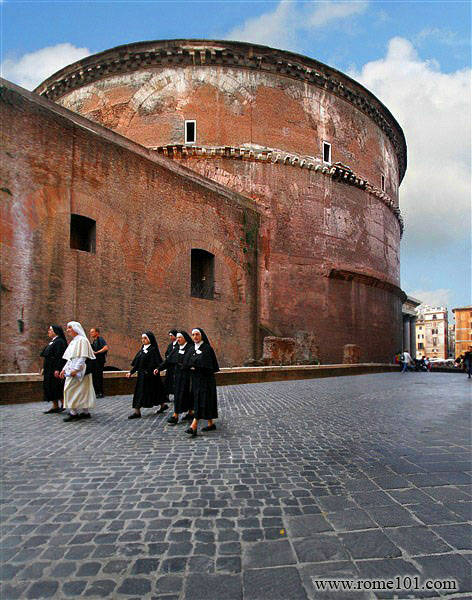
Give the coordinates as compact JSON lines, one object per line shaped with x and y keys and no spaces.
{"x":190,"y":132}
{"x":383,"y":183}
{"x":327,"y":153}
{"x":82,"y":233}
{"x":202,"y":274}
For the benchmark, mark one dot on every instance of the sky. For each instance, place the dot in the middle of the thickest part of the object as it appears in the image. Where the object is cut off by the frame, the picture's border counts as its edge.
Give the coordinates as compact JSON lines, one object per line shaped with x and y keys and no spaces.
{"x":415,"y":56}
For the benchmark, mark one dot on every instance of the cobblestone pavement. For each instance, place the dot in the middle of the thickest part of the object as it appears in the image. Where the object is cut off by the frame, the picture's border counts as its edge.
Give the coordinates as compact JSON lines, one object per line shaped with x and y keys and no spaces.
{"x":364,"y":476}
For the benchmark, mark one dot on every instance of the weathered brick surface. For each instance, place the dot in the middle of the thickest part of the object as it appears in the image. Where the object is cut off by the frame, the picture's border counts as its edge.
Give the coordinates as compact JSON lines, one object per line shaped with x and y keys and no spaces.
{"x":311,"y":224}
{"x":149,"y":212}
{"x":276,"y":252}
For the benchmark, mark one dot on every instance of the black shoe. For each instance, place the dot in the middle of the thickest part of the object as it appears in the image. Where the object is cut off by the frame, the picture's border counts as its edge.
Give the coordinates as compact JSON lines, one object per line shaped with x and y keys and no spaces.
{"x":163,"y":408}
{"x":187,"y":417}
{"x":85,"y":415}
{"x":172,"y":420}
{"x":51,"y":411}
{"x":209,"y":428}
{"x":100,"y":395}
{"x":192,"y":432}
{"x":71,"y":418}
{"x":134,"y":416}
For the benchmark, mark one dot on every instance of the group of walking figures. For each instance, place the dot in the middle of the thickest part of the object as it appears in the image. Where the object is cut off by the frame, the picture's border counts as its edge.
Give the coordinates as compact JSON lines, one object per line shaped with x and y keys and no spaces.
{"x":190,"y":365}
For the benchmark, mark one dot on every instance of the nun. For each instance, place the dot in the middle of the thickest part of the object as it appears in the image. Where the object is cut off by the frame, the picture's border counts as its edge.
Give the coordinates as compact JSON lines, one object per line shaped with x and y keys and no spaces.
{"x":79,"y":395}
{"x":149,"y":390}
{"x":169,"y":379}
{"x":183,"y":397}
{"x":203,"y":365}
{"x":53,"y":385}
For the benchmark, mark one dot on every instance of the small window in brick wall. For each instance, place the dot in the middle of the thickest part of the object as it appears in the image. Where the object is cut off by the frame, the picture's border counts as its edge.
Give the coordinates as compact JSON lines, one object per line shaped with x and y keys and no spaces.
{"x":82,"y":233}
{"x":383,"y":183}
{"x":327,"y":153}
{"x":190,"y":132}
{"x":202,"y":274}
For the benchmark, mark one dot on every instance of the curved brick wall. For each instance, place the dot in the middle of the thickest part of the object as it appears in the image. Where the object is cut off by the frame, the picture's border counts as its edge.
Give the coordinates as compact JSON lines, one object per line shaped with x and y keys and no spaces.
{"x":328,"y":241}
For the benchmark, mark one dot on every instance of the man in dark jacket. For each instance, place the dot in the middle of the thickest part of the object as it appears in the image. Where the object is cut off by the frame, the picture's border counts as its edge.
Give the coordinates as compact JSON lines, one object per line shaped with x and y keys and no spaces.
{"x":468,"y":362}
{"x":100,"y":349}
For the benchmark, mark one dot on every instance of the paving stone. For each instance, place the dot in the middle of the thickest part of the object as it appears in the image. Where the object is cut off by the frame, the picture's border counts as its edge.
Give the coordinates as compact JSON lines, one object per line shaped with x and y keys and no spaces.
{"x":390,"y":516}
{"x":103,"y":588}
{"x":134,"y":586}
{"x":458,"y":536}
{"x":64,"y":569}
{"x":203,"y":586}
{"x":42,"y":589}
{"x":268,"y":554}
{"x":369,"y":544}
{"x":88,"y":569}
{"x":228,"y":564}
{"x":306,"y":526}
{"x":355,"y":465}
{"x":273,"y":584}
{"x":320,"y":548}
{"x":447,"y":567}
{"x":145,"y":566}
{"x":13,"y":591}
{"x":434,"y":514}
{"x":351,"y":520}
{"x":116,"y":567}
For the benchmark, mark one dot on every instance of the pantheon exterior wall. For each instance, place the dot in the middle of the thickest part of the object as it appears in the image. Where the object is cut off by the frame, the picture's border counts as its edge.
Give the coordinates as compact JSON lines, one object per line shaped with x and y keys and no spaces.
{"x":327,"y":234}
{"x":149,"y":214}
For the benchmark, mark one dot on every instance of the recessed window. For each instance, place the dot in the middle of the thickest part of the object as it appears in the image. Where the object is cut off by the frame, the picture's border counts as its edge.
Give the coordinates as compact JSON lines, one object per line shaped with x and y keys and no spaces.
{"x":190,"y":132}
{"x":326,"y":152}
{"x":82,"y":233}
{"x":383,"y":183}
{"x":202,"y":274}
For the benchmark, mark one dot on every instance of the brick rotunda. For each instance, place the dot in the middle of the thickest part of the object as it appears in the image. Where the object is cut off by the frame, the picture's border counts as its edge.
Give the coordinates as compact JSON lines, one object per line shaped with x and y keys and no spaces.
{"x":251,"y":191}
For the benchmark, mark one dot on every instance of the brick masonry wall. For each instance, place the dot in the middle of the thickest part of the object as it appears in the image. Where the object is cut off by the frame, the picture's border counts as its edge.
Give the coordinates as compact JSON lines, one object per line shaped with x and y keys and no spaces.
{"x":149,"y":213}
{"x":237,"y":107}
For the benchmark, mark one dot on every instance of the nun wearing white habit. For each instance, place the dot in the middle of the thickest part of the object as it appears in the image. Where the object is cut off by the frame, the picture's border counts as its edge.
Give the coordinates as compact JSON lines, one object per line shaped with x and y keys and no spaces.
{"x":79,"y":395}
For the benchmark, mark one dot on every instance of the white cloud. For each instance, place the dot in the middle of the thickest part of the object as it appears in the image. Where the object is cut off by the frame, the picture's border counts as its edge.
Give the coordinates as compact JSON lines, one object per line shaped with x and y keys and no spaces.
{"x":280,"y":27}
{"x":31,"y":69}
{"x":433,"y":109}
{"x":325,"y":12}
{"x":439,"y":297}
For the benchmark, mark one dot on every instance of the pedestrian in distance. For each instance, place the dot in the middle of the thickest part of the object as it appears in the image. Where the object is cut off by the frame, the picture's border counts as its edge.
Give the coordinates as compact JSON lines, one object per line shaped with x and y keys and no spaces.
{"x":79,"y":395}
{"x":183,"y":396}
{"x":53,"y":385}
{"x":406,"y":361}
{"x":467,"y":362}
{"x":149,"y":390}
{"x":100,"y":349}
{"x":203,"y":365}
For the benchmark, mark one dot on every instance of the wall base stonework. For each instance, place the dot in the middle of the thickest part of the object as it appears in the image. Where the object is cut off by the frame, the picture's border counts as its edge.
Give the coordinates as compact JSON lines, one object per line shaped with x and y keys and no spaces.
{"x":28,"y":387}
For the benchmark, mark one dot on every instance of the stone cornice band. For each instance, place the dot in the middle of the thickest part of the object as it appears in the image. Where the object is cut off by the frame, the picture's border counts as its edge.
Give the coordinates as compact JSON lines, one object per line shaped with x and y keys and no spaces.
{"x":346,"y":275}
{"x":337,"y":171}
{"x":181,"y":53}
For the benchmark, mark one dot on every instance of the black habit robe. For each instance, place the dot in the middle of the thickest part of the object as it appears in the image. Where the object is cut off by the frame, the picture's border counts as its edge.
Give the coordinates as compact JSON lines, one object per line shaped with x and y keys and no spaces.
{"x":169,"y":378}
{"x":203,"y":366}
{"x":149,"y":390}
{"x":183,"y":396}
{"x":53,"y":361}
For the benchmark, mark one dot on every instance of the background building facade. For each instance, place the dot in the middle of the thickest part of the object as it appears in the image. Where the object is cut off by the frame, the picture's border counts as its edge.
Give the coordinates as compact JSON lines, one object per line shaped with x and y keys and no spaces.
{"x":300,"y":240}
{"x":463,"y":317}
{"x":432,"y":332}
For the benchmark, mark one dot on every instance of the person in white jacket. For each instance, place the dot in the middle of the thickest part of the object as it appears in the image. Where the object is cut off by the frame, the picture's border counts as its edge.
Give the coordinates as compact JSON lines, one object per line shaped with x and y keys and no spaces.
{"x":79,"y":395}
{"x":406,"y":360}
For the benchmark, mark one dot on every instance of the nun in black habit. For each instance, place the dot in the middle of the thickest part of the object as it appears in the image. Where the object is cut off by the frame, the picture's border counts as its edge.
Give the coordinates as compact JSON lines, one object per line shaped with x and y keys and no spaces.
{"x":149,"y":390}
{"x":183,"y":397}
{"x":203,"y":365}
{"x":169,"y":378}
{"x":53,"y":386}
